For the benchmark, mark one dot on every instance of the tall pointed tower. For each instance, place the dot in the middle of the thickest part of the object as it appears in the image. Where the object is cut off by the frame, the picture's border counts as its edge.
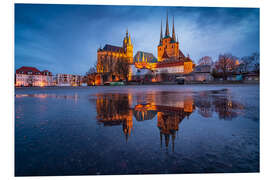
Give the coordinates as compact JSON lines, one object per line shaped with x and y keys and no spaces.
{"x":168,"y":47}
{"x":173,"y":32}
{"x":167,"y":33}
{"x":129,"y":48}
{"x":161,"y":34}
{"x":160,"y":47}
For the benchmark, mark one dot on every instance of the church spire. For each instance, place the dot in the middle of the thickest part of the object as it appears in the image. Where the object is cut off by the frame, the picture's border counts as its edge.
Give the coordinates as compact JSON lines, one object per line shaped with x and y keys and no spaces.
{"x":173,"y":32}
{"x":127,"y":33}
{"x":167,"y":33}
{"x":161,"y":34}
{"x":129,"y":40}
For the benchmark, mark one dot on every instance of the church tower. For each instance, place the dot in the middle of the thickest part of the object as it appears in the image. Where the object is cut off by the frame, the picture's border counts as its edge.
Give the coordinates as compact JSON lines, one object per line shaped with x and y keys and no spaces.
{"x":128,"y":47}
{"x":168,"y":47}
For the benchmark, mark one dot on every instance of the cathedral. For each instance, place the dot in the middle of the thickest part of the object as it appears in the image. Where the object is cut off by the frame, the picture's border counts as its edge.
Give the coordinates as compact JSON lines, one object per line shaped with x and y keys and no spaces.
{"x":168,"y":47}
{"x":170,"y":59}
{"x":109,"y":55}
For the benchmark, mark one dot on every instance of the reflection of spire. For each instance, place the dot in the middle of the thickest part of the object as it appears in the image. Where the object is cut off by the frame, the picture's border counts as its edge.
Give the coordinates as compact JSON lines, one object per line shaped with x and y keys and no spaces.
{"x":160,"y":140}
{"x":173,"y":138}
{"x":126,"y":138}
{"x":167,"y":140}
{"x":167,"y":33}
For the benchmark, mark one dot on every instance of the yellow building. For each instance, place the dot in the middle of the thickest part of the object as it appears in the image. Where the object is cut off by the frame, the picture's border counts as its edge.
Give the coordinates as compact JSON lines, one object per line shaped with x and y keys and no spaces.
{"x":145,"y":60}
{"x":170,"y":58}
{"x":109,"y":54}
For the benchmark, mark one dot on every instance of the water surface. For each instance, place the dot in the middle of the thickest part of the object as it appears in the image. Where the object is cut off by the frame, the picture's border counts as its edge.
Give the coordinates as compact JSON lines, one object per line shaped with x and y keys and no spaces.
{"x":136,"y":130}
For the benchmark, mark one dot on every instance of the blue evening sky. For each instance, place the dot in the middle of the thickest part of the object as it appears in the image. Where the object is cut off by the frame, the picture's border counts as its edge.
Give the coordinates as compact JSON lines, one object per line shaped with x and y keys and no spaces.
{"x":65,"y":38}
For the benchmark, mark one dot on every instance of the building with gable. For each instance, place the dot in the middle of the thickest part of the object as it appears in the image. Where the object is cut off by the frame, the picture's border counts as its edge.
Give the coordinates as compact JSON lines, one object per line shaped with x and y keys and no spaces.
{"x":31,"y":76}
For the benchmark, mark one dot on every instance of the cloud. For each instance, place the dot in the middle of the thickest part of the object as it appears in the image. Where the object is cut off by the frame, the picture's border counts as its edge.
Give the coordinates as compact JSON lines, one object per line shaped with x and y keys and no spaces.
{"x":65,"y":38}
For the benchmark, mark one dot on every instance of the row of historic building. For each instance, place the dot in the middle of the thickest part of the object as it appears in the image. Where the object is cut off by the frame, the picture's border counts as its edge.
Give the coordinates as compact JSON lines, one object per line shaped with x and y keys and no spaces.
{"x":169,"y":64}
{"x":170,"y":59}
{"x":31,"y":76}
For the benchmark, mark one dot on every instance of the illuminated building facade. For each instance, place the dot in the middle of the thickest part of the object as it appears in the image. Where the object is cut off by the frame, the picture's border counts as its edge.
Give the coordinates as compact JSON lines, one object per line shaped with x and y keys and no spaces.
{"x":145,"y":60}
{"x":68,"y":80}
{"x":170,"y":59}
{"x":109,"y":55}
{"x":31,"y":76}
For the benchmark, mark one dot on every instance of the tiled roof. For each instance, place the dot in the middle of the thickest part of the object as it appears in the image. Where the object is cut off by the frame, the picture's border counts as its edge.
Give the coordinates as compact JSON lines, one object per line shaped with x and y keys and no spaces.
{"x":108,"y":47}
{"x":172,"y":41}
{"x":169,"y":63}
{"x":165,"y":55}
{"x":150,"y":57}
{"x":26,"y":70}
{"x":181,"y":54}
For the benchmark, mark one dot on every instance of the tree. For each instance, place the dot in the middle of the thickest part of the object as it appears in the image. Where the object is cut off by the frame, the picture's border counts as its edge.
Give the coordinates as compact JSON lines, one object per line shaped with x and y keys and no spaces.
{"x":91,"y":75}
{"x":246,"y":62}
{"x":256,"y":61}
{"x":205,"y":60}
{"x":122,"y":68}
{"x":225,"y":64}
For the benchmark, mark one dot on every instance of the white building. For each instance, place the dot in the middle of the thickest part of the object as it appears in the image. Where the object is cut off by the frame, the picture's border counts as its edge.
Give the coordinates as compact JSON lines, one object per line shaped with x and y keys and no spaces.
{"x":31,"y":76}
{"x":68,"y":80}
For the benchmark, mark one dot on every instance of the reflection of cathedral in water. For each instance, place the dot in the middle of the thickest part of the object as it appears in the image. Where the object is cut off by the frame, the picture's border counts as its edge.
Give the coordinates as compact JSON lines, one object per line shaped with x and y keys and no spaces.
{"x":117,"y":109}
{"x":170,"y":108}
{"x":113,"y":109}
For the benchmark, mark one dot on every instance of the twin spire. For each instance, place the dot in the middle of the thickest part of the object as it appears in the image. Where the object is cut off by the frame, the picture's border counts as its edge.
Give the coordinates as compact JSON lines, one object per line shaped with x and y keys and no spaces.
{"x":161,"y":34}
{"x":167,"y":32}
{"x":128,"y":37}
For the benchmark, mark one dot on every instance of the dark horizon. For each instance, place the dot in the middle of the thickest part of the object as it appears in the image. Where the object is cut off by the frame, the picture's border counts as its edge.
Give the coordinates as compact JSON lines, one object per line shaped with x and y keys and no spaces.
{"x":65,"y":38}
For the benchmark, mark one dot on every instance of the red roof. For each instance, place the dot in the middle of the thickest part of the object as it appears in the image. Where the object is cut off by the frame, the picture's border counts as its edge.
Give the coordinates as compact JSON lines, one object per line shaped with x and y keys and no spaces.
{"x":181,"y":55}
{"x":27,"y":70}
{"x":165,"y":55}
{"x":169,"y":64}
{"x":32,"y":70}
